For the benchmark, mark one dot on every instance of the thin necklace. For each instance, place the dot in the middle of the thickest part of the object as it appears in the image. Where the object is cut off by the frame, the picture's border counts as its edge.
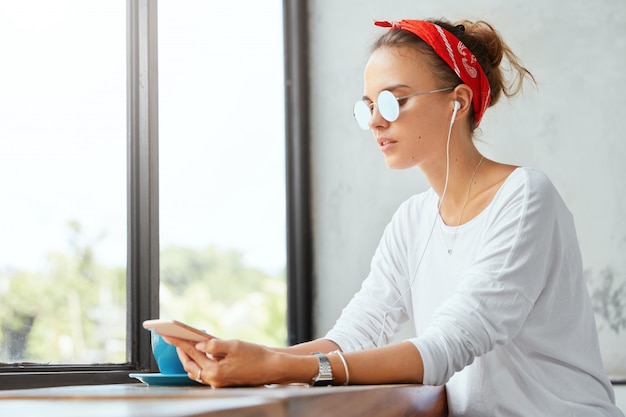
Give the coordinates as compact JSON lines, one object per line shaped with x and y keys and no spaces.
{"x":456,"y":229}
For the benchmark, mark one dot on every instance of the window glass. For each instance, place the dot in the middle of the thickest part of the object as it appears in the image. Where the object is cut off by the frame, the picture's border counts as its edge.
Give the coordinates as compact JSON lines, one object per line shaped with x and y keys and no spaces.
{"x":62,"y":181}
{"x":221,"y":167}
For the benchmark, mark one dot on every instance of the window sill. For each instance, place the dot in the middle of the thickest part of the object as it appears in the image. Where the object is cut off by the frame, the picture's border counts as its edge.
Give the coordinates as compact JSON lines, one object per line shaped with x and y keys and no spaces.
{"x":42,"y":379}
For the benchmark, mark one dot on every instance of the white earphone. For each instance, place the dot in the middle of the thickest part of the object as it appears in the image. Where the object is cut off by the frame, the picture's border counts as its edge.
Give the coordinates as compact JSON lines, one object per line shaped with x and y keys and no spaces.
{"x":457,"y":106}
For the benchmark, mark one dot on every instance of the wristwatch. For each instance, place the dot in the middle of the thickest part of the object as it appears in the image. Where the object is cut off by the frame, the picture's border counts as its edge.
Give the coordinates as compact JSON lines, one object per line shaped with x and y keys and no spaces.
{"x":325,"y":374}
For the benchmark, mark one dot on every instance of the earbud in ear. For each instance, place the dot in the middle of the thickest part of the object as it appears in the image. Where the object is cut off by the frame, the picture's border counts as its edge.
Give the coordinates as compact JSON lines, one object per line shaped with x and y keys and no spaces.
{"x":457,"y":106}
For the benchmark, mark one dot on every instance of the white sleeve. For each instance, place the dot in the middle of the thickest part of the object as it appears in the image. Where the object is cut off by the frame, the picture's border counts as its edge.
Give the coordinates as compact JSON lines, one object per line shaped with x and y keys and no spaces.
{"x":379,"y":300}
{"x":498,"y":291}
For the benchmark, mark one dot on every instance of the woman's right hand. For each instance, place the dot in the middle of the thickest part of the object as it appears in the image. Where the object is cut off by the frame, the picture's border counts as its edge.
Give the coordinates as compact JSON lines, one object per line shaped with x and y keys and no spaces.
{"x":228,"y":363}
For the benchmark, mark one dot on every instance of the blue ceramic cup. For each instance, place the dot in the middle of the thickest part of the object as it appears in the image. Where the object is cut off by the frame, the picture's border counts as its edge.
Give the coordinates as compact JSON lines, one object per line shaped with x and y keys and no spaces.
{"x":166,"y":356}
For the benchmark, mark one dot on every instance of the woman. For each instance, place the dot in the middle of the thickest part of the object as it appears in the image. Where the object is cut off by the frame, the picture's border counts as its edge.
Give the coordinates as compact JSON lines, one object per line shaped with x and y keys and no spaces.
{"x":486,"y":262}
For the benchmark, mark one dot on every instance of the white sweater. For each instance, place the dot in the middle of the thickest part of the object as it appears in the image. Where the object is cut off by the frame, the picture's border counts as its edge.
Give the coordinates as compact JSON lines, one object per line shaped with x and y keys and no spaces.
{"x":505,"y":320}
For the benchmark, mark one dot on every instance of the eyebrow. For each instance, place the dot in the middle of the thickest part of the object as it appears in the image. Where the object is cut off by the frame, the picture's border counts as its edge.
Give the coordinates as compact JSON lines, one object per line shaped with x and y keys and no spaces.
{"x":390,"y":88}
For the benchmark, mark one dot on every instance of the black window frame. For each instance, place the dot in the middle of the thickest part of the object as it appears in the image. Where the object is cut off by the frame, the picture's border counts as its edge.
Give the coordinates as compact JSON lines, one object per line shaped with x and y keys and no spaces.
{"x":143,"y":202}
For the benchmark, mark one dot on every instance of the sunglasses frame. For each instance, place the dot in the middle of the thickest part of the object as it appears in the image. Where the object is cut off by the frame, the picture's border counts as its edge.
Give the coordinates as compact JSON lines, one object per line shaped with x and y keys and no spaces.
{"x":390,"y":116}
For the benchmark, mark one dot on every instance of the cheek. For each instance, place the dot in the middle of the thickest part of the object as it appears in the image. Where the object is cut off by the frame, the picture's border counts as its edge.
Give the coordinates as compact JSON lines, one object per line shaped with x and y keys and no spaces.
{"x":428,"y":117}
{"x":428,"y":127}
{"x":417,"y":145}
{"x":419,"y":120}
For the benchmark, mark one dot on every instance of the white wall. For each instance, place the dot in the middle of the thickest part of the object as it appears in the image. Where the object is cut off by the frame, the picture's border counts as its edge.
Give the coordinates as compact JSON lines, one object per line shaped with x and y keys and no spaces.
{"x":573,"y":126}
{"x":620,"y":397}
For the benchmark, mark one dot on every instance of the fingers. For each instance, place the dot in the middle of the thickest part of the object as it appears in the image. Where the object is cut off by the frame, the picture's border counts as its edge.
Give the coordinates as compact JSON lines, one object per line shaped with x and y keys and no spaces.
{"x":205,"y":362}
{"x":193,"y":368}
{"x":198,"y":377}
{"x":193,"y":360}
{"x":216,"y":348}
{"x":186,"y":346}
{"x":184,"y":358}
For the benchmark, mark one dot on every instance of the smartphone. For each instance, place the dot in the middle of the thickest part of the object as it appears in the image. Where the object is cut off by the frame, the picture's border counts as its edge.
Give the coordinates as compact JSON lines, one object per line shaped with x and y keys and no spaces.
{"x":176,"y":329}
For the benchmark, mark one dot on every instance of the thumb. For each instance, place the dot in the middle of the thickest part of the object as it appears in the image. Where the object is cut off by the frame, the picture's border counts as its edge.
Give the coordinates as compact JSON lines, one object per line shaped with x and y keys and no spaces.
{"x":214,"y":347}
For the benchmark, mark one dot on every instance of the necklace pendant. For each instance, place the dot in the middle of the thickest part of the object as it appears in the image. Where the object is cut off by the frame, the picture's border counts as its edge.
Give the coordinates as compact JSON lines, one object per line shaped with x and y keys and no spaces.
{"x":449,"y":251}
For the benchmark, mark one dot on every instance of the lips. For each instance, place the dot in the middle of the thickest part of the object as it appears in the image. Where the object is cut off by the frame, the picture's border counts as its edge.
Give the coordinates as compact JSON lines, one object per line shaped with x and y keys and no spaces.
{"x":385,"y":143}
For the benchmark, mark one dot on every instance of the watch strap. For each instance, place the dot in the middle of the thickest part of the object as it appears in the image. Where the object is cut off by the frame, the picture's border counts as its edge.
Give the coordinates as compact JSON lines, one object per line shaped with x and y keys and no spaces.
{"x":325,"y":374}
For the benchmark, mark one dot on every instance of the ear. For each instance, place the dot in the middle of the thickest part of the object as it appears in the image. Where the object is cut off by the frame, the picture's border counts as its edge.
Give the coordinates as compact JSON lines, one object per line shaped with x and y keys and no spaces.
{"x":463,"y":94}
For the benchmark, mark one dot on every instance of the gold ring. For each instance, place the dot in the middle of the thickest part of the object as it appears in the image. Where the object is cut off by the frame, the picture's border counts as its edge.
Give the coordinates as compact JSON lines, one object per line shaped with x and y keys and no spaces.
{"x":199,"y":376}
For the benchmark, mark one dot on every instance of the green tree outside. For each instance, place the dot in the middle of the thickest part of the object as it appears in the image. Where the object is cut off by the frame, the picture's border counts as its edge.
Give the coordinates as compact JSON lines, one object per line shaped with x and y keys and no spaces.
{"x":75,"y":312}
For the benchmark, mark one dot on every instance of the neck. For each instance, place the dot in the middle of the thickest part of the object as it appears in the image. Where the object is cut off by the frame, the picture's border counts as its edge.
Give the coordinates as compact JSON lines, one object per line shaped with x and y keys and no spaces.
{"x":462,"y":165}
{"x":462,"y":176}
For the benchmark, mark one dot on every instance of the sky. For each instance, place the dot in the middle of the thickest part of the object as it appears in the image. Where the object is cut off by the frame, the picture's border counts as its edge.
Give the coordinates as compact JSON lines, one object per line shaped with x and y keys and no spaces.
{"x":63,"y":128}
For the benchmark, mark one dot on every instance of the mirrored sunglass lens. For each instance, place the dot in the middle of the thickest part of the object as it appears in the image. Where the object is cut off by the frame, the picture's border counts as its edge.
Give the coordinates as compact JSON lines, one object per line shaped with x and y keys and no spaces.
{"x":388,"y":106}
{"x":362,"y":114}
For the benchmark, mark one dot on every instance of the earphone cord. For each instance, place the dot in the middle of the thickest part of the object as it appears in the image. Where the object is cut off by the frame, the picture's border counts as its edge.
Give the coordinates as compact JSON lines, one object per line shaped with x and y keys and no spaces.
{"x":432,"y":228}
{"x":445,"y":186}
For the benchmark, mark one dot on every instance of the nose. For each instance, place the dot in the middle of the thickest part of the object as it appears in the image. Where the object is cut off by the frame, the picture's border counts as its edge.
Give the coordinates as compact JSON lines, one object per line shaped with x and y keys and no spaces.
{"x":377,"y":119}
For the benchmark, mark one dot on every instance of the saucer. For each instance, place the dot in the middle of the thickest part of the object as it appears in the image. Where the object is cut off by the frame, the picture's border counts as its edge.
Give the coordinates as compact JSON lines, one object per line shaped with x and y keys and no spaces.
{"x":164,"y":379}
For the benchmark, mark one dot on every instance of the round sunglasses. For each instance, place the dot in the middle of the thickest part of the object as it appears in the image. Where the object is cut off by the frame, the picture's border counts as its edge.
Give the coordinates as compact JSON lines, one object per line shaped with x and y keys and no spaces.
{"x":388,"y":106}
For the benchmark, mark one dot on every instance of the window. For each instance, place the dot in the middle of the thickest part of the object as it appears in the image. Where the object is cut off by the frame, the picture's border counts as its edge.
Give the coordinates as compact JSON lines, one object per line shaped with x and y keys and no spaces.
{"x":83,"y":128}
{"x":221,"y":167}
{"x":63,"y":169}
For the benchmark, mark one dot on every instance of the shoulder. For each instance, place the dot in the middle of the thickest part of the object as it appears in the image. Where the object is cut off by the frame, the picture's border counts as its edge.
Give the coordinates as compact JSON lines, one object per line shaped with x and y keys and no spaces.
{"x":534,"y":177}
{"x":413,"y":213}
{"x":532,"y":181}
{"x":418,"y":204}
{"x":530,"y":188}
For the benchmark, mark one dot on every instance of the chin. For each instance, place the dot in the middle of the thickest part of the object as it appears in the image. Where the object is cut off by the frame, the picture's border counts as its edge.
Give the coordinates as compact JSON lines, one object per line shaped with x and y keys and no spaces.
{"x":399,"y":165}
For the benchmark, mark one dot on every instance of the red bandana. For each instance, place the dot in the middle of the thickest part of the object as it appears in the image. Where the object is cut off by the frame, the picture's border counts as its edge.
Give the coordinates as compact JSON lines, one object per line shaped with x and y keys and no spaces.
{"x":453,"y":51}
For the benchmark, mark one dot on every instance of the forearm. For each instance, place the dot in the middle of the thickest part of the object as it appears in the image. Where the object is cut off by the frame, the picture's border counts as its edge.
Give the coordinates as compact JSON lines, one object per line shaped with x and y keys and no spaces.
{"x":306,"y":348}
{"x":398,"y":363}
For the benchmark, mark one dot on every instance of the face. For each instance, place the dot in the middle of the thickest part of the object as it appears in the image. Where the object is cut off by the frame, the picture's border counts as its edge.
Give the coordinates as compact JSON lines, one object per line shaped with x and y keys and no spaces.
{"x":421,"y":129}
